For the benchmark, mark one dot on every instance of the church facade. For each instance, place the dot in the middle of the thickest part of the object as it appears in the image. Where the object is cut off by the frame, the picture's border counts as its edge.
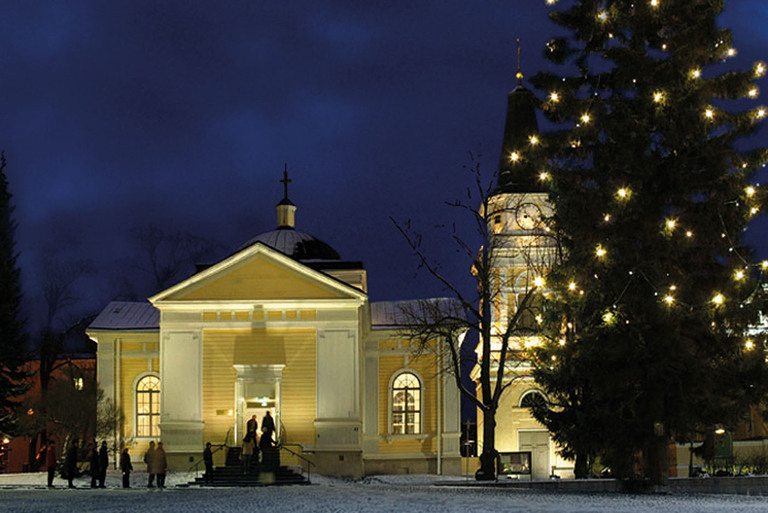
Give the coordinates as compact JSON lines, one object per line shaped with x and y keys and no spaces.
{"x":283,"y":326}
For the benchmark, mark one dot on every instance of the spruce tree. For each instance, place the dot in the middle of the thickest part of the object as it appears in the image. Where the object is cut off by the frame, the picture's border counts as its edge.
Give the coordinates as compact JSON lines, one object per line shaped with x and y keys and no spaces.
{"x":13,"y":340}
{"x":648,"y":320}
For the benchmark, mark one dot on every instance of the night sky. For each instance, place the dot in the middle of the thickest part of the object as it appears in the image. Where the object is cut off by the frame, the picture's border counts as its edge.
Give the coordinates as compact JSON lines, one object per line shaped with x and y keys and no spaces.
{"x":117,"y":114}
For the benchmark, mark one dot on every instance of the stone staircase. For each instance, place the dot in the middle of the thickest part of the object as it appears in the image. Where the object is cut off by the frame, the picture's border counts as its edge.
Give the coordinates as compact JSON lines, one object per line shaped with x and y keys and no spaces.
{"x":268,"y":472}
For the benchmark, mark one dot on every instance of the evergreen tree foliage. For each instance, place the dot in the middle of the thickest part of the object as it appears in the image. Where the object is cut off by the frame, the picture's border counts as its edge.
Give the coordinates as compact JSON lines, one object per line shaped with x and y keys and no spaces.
{"x":13,"y":340}
{"x":648,"y":323}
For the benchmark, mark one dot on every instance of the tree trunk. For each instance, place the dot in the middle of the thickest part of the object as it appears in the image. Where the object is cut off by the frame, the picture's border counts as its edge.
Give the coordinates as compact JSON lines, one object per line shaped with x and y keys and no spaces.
{"x":581,"y":467}
{"x":657,"y":461}
{"x":487,"y":471}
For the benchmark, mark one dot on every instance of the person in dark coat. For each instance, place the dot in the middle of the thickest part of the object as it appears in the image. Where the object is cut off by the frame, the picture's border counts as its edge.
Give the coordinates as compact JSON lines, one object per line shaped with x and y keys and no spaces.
{"x":50,"y":461}
{"x":126,"y":467}
{"x":70,"y":463}
{"x":162,"y":465}
{"x":208,"y":460}
{"x":95,"y":466}
{"x":268,"y":425}
{"x":252,"y":426}
{"x":148,"y":459}
{"x":103,"y":463}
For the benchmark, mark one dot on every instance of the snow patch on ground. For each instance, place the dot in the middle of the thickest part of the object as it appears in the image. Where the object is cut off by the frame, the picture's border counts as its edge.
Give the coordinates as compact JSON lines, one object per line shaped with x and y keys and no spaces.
{"x":27,"y":493}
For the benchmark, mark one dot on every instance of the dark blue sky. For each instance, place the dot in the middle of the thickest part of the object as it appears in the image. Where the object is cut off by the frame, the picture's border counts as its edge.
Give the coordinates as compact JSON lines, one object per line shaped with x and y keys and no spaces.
{"x":115,"y":114}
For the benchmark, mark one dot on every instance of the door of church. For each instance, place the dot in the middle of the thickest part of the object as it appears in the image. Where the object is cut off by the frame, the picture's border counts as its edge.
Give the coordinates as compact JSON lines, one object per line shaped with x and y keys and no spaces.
{"x":537,"y":442}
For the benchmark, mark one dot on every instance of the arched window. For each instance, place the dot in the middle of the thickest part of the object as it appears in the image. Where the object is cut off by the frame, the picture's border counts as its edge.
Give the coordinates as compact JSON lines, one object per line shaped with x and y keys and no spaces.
{"x":532,"y":398}
{"x":406,"y":404}
{"x":148,"y":407}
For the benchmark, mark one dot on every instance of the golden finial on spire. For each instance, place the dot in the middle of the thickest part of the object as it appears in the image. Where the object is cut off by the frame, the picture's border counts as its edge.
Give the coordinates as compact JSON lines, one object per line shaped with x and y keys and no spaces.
{"x":519,"y":73}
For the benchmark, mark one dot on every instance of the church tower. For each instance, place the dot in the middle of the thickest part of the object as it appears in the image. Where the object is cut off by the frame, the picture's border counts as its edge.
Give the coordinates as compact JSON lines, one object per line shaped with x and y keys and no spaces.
{"x":520,"y":246}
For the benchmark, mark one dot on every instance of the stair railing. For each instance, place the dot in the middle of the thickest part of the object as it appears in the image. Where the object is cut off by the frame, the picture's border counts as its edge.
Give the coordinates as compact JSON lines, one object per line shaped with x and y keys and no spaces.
{"x":309,"y":464}
{"x":196,"y":466}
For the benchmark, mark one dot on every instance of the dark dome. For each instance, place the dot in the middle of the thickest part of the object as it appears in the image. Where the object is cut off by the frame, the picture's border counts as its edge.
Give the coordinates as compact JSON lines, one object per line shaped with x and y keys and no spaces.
{"x":297,"y":245}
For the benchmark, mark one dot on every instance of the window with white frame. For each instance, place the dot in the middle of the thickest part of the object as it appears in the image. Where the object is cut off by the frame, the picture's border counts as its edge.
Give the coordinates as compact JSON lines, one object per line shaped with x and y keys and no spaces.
{"x":148,"y":407}
{"x":406,"y":404}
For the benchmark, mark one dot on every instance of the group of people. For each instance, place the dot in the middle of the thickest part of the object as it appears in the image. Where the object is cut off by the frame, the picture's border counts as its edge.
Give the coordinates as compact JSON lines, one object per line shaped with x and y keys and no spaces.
{"x":157,"y":464}
{"x":99,"y":463}
{"x":252,"y":444}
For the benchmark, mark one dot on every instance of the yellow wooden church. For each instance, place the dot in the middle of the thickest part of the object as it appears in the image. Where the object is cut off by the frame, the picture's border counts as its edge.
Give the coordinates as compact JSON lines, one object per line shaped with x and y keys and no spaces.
{"x":283,"y":325}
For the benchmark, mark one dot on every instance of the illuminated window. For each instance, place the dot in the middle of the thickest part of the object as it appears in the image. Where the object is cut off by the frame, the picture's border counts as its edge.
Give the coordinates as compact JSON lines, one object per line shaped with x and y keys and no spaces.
{"x":406,"y":404}
{"x":148,"y":407}
{"x":78,"y":383}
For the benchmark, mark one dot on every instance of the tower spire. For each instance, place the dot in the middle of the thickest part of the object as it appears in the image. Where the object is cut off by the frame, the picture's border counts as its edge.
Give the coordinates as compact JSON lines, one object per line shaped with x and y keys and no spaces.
{"x":285,"y":181}
{"x":519,"y":73}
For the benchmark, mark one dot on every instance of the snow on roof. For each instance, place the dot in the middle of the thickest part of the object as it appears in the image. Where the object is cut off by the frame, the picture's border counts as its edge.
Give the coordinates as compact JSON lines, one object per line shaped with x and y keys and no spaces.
{"x":127,"y":315}
{"x":393,"y":314}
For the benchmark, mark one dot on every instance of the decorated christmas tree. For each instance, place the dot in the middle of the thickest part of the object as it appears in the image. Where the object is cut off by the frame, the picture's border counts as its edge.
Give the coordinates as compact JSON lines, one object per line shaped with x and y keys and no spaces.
{"x":648,"y":320}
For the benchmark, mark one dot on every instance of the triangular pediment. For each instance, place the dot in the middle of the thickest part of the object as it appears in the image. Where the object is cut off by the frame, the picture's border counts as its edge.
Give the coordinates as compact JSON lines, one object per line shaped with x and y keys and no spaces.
{"x":259,"y":273}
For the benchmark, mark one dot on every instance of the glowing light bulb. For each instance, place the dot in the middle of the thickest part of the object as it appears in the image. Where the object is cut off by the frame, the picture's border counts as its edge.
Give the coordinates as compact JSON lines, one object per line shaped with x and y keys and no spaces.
{"x":764,"y":265}
{"x":554,"y":97}
{"x":689,"y":234}
{"x":600,"y":252}
{"x":607,"y":218}
{"x":718,"y":299}
{"x":602,"y":16}
{"x":739,"y":275}
{"x":608,"y":317}
{"x":561,"y":341}
{"x":760,"y":114}
{"x":623,"y":193}
{"x":709,"y":113}
{"x":514,"y":157}
{"x":572,"y":286}
{"x":538,"y":281}
{"x":754,"y":210}
{"x":732,"y":52}
{"x":534,"y":140}
{"x":750,"y":191}
{"x":671,"y":223}
{"x":760,"y":69}
{"x":654,"y":3}
{"x":668,"y":299}
{"x":753,"y":92}
{"x":696,"y":73}
{"x":658,"y":97}
{"x":585,"y":118}
{"x":543,"y":176}
{"x":749,"y":345}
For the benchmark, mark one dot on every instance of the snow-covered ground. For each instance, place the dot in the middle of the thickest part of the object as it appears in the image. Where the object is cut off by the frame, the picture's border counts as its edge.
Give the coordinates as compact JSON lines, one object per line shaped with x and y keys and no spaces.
{"x":22,"y":493}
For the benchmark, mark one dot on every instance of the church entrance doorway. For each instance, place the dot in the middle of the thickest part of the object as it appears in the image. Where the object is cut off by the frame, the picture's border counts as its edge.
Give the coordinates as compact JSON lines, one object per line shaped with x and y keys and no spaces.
{"x":257,"y":391}
{"x":537,"y":442}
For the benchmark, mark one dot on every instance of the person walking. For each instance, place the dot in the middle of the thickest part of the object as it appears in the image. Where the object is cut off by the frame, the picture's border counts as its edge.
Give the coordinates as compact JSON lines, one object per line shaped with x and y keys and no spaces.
{"x":70,"y":463}
{"x":248,"y":446}
{"x":252,"y":426}
{"x":50,"y":461}
{"x":126,"y":467}
{"x":208,"y":460}
{"x":267,"y":425}
{"x":148,"y":458}
{"x":161,"y":465}
{"x":103,"y":463}
{"x":95,"y":465}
